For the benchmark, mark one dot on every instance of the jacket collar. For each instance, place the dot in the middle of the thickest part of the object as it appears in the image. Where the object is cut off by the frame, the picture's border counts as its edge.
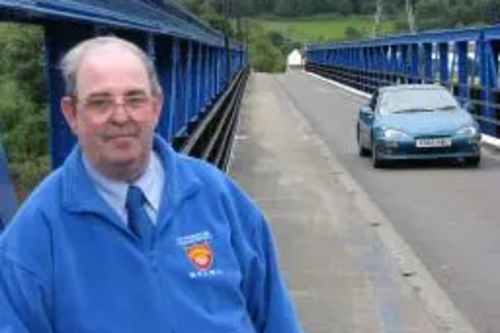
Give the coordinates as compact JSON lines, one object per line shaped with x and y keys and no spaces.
{"x":79,"y":194}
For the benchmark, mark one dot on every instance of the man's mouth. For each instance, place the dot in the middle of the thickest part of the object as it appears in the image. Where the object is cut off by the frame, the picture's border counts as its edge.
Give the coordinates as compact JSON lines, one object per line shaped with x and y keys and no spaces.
{"x":120,"y":137}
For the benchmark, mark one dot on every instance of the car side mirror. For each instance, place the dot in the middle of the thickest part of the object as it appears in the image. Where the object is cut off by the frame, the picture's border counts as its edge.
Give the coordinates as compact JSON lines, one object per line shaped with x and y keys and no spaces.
{"x":366,"y":110}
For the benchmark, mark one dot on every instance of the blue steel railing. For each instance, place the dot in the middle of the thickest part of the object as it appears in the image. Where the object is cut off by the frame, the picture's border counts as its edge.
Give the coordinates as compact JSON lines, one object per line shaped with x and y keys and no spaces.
{"x":151,"y":16}
{"x":464,"y":60}
{"x":196,"y":64}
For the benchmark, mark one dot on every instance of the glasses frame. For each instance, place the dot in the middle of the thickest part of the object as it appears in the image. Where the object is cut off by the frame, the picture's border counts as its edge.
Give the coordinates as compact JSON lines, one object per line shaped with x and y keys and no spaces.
{"x":133,"y":103}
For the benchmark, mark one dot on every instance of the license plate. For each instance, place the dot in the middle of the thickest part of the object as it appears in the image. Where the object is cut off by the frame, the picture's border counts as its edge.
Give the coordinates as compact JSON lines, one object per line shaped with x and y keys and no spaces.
{"x":431,"y":143}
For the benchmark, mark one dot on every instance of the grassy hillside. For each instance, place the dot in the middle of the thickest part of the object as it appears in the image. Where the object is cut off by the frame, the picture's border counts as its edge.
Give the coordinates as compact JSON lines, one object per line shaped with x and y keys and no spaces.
{"x":320,"y":28}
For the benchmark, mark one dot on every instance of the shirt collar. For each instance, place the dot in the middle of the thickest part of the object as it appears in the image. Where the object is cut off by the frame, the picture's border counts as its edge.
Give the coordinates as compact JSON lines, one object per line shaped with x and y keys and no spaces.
{"x":115,"y":192}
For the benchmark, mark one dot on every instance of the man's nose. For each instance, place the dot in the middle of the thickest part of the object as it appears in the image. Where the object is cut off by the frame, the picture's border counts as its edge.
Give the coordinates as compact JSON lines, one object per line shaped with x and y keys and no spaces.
{"x":120,"y":113}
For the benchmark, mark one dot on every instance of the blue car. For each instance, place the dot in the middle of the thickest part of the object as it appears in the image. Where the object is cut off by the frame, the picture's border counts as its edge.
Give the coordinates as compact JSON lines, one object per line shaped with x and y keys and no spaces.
{"x":417,"y":121}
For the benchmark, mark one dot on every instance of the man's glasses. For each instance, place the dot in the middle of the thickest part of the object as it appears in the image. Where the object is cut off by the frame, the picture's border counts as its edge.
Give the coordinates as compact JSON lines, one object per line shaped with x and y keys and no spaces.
{"x":105,"y":105}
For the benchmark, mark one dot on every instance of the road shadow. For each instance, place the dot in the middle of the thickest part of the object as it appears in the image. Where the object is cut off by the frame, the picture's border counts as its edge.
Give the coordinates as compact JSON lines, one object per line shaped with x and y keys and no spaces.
{"x":435,"y":164}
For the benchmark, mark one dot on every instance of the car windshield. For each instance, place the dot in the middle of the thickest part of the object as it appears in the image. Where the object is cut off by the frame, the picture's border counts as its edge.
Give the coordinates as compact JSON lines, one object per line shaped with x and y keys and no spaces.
{"x":416,"y":100}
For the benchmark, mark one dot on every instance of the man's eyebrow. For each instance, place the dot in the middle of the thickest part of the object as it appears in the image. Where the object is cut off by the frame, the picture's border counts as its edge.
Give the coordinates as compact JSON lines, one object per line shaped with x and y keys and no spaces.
{"x":99,"y":94}
{"x":135,"y":92}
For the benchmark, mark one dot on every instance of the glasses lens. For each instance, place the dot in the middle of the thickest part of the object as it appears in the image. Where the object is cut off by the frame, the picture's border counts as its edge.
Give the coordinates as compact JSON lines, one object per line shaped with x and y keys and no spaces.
{"x":105,"y":105}
{"x":99,"y":105}
{"x":135,"y":102}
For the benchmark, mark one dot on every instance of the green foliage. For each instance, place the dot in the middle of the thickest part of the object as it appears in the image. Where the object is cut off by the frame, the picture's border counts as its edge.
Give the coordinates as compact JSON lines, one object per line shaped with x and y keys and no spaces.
{"x":271,"y":39}
{"x":323,"y":28}
{"x":492,"y":11}
{"x":27,"y":174}
{"x":21,"y":59}
{"x":351,"y":33}
{"x":343,"y":7}
{"x":23,"y":120}
{"x":265,"y":55}
{"x":285,"y":8}
{"x":429,"y":14}
{"x":219,"y":23}
{"x":288,"y":8}
{"x":438,"y":14}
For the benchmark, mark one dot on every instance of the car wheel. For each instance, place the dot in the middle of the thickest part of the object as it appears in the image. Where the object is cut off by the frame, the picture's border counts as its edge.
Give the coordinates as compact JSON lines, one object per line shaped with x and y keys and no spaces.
{"x":472,"y":161}
{"x":362,"y":151}
{"x":376,"y":162}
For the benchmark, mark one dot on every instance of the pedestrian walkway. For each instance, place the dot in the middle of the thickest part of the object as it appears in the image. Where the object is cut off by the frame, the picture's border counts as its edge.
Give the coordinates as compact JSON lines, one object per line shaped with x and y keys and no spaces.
{"x":340,"y":274}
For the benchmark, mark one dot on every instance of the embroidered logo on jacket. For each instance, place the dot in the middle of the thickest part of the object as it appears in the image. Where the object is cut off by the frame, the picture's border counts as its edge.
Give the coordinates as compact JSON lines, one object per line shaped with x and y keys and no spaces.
{"x":200,"y":255}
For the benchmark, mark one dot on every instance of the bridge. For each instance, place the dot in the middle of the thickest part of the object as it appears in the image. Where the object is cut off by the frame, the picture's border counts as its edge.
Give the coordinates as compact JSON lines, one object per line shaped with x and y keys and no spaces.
{"x":405,"y":249}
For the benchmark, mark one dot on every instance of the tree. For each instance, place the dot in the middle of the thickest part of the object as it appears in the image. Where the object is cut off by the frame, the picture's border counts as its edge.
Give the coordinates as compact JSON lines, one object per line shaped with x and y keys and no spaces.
{"x":285,"y":8}
{"x":492,"y":11}
{"x":356,"y":6}
{"x":343,"y":7}
{"x":23,"y":120}
{"x":22,"y":91}
{"x":264,"y":55}
{"x":439,"y":14}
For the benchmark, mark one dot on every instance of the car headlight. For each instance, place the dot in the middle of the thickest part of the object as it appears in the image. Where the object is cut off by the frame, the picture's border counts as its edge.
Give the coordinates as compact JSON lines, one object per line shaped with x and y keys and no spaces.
{"x":392,"y":134}
{"x":468,"y":130}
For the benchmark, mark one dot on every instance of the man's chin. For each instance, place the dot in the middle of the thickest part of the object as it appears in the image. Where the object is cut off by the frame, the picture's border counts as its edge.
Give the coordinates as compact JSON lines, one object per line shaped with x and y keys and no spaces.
{"x":122,"y":142}
{"x":121,"y":160}
{"x":125,"y":168}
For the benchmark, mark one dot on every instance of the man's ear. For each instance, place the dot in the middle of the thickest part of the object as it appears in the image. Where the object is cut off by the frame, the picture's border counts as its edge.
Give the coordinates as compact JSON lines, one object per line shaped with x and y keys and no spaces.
{"x":68,"y":107}
{"x":158,"y":103}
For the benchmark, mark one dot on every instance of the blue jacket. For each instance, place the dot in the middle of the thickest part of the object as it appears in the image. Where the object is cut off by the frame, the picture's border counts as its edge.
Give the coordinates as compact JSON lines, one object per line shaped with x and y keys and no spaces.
{"x":69,"y":264}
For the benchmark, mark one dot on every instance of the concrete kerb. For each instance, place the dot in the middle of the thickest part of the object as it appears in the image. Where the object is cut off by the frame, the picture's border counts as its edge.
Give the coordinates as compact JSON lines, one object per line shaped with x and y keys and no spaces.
{"x":490,"y":142}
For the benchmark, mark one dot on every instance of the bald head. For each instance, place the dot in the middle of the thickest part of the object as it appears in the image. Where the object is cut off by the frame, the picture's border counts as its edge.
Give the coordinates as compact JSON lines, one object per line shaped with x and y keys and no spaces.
{"x":72,"y":61}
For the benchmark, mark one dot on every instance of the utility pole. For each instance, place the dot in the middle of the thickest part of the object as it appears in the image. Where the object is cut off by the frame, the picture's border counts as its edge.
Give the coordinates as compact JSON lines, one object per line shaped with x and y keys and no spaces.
{"x":237,"y":14}
{"x":411,"y":16}
{"x":378,"y":18}
{"x":379,"y":11}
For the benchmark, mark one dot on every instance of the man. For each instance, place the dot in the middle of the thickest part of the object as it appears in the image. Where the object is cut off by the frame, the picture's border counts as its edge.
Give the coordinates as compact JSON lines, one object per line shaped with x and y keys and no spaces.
{"x":128,"y":236}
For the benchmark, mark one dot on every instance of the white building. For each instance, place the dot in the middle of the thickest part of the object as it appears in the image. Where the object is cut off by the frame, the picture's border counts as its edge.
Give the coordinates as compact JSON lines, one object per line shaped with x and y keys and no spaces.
{"x":294,"y":60}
